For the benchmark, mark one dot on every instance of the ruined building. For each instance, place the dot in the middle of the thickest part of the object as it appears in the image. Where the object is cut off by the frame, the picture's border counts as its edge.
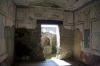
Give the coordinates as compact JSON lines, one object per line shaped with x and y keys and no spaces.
{"x":20,"y":30}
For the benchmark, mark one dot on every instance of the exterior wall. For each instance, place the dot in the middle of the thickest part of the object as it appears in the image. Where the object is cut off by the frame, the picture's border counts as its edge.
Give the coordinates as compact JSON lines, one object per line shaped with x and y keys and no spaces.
{"x":27,"y":17}
{"x":45,"y":36}
{"x":7,"y":20}
{"x":44,"y":42}
{"x":47,"y":49}
{"x":88,"y":19}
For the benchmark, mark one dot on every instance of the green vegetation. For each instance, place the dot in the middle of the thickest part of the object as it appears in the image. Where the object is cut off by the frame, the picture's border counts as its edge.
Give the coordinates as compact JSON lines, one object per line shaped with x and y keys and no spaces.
{"x":49,"y":56}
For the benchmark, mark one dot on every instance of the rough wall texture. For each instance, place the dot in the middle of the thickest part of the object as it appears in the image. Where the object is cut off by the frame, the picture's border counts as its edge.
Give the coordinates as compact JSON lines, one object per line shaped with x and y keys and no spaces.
{"x":7,"y":19}
{"x":90,"y":59}
{"x":29,"y":40}
{"x":66,"y":42}
{"x":88,"y":18}
{"x":9,"y":38}
{"x":77,"y":43}
{"x":45,"y":36}
{"x":47,"y":49}
{"x":48,"y":42}
{"x":33,"y":35}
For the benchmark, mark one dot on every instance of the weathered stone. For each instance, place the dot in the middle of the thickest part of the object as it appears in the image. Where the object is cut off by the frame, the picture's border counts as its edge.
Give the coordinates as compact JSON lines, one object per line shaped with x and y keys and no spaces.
{"x":29,"y":39}
{"x":77,"y":43}
{"x":66,"y":43}
{"x":48,"y":42}
{"x":9,"y":38}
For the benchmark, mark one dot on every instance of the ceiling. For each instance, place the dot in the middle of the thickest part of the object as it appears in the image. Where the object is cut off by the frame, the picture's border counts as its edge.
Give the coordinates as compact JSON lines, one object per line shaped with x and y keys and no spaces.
{"x":64,"y":4}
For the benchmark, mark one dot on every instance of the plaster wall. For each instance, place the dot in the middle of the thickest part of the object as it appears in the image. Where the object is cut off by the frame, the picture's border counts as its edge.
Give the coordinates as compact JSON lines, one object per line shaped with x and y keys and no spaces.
{"x":88,"y":18}
{"x":7,"y":19}
{"x":27,"y":17}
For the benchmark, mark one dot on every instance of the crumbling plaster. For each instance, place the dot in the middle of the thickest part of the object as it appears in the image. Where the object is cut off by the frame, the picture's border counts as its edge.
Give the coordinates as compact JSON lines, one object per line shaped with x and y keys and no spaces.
{"x":7,"y":19}
{"x":27,"y":17}
{"x":88,"y":18}
{"x":66,"y":43}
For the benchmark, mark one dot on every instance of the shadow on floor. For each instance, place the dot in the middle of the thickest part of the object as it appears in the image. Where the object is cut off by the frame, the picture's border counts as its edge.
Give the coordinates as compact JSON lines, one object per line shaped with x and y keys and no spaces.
{"x":52,"y":62}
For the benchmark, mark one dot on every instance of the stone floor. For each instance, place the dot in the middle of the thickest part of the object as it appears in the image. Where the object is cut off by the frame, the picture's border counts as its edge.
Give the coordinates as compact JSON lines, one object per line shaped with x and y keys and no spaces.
{"x":51,"y":62}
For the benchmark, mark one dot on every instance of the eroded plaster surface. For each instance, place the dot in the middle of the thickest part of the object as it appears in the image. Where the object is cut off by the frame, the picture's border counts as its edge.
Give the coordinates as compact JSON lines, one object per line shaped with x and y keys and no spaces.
{"x":88,"y":19}
{"x":27,"y":17}
{"x":7,"y":18}
{"x":66,"y":43}
{"x":77,"y":43}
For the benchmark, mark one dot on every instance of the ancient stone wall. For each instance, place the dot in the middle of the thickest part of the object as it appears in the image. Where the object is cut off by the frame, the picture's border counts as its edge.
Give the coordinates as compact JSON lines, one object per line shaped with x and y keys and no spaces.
{"x":47,"y":49}
{"x":7,"y":22}
{"x":48,"y":42}
{"x":66,"y":43}
{"x":29,"y":40}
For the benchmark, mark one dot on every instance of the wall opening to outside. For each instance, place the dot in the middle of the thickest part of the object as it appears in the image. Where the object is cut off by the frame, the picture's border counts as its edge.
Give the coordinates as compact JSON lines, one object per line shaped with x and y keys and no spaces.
{"x":50,"y":39}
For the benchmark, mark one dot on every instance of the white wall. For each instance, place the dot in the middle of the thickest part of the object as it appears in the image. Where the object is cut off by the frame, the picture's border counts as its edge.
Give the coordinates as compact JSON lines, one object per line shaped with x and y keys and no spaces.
{"x":27,"y":17}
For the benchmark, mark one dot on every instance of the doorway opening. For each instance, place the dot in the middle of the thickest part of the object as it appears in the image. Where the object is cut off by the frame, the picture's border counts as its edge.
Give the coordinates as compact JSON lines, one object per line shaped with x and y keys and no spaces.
{"x":50,"y":39}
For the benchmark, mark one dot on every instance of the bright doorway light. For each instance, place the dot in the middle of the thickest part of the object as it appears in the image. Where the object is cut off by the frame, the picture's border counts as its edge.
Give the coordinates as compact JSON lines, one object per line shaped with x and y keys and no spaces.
{"x":53,"y":32}
{"x":60,"y":62}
